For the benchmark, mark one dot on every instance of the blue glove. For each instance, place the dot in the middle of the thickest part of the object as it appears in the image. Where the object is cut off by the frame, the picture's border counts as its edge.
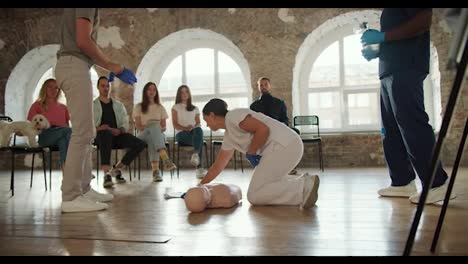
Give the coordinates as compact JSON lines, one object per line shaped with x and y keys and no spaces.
{"x":111,"y":77}
{"x":372,"y":36}
{"x":253,"y":159}
{"x":369,"y":54}
{"x":126,"y":76}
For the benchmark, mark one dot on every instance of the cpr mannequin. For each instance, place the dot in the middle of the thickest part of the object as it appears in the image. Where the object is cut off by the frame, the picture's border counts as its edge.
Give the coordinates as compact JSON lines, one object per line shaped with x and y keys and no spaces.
{"x":213,"y":195}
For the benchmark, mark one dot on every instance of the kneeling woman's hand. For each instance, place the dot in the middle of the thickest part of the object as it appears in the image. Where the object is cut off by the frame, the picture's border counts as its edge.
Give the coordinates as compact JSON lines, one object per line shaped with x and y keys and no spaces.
{"x":254,"y":159}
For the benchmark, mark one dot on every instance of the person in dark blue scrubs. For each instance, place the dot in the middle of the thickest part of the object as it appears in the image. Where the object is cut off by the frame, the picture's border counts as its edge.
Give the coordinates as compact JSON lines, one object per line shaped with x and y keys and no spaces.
{"x":408,"y":138}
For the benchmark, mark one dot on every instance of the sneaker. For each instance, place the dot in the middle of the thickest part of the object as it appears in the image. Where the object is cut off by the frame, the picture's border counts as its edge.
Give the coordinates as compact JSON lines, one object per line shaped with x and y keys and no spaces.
{"x":118,"y":175}
{"x":168,"y":165}
{"x":434,"y":195}
{"x":399,"y":191}
{"x":98,"y":197}
{"x":120,"y":179}
{"x":81,"y":204}
{"x":311,"y":185}
{"x":293,"y":172}
{"x":108,"y":181}
{"x":200,"y":173}
{"x":195,"y":160}
{"x":157,"y":176}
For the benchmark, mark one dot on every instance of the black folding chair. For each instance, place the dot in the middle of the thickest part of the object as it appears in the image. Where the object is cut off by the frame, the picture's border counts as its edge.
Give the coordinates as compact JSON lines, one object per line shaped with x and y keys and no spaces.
{"x":17,"y":150}
{"x":98,"y":164}
{"x":312,"y":120}
{"x":168,"y":147}
{"x":178,"y":145}
{"x":51,"y":149}
{"x":215,"y":143}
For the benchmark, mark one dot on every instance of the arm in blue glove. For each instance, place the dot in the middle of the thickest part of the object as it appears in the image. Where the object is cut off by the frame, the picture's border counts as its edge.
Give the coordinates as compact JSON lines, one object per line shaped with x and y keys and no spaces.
{"x":419,"y":23}
{"x":254,"y":159}
{"x":372,"y":36}
{"x":126,"y":76}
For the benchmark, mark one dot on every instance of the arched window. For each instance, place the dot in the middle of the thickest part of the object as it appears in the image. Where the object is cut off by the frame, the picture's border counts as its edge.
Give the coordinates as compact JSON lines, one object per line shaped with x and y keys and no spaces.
{"x":332,"y":79}
{"x":343,"y":88}
{"x":209,"y":73}
{"x":207,"y":62}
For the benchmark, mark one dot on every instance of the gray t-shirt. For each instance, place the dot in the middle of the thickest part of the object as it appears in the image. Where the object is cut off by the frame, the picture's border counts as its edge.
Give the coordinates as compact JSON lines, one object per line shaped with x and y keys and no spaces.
{"x":68,"y":31}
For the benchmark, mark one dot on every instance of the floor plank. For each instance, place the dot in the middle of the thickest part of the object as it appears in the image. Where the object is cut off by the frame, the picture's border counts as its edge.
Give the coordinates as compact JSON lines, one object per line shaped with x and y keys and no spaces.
{"x":350,"y":219}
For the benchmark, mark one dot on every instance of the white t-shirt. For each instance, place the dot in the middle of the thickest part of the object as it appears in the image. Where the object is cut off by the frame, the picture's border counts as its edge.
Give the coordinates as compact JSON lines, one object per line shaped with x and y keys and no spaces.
{"x":155,"y":112}
{"x":184,"y":117}
{"x":239,"y":139}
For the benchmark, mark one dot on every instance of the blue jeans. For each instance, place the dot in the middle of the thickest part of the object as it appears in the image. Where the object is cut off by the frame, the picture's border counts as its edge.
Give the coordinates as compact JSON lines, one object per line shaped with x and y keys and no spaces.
{"x":154,"y":137}
{"x":192,"y":138}
{"x":56,"y":136}
{"x":408,"y":140}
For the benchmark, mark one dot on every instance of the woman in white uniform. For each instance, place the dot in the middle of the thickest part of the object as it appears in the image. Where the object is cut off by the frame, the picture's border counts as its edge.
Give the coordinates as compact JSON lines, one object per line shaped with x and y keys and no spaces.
{"x":270,"y":146}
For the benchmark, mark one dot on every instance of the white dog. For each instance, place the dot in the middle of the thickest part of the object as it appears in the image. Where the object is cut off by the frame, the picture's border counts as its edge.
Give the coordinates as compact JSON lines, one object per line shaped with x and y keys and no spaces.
{"x":26,"y":128}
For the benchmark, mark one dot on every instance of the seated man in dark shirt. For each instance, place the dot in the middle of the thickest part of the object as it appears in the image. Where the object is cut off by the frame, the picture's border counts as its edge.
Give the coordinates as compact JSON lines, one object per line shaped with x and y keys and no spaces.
{"x":270,"y":105}
{"x":111,"y":121}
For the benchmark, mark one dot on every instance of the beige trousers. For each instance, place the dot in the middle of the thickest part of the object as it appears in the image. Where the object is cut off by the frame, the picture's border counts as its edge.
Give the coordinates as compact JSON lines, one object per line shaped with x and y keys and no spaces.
{"x":74,"y":79}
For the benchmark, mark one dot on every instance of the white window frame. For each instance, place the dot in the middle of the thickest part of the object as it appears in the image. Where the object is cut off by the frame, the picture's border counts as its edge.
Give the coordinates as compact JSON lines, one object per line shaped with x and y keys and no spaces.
{"x":217,"y":92}
{"x":205,"y":97}
{"x":342,"y":89}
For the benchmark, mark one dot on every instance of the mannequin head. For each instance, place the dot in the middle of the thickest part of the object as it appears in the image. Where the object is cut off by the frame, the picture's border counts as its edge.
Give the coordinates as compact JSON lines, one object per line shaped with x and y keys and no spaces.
{"x":197,"y":198}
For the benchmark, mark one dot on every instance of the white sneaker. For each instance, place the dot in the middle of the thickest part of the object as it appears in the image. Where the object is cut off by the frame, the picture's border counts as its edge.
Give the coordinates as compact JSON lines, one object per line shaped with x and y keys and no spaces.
{"x":399,"y":191}
{"x":434,"y":195}
{"x":157,"y":176}
{"x":310,"y":196}
{"x":195,"y":160}
{"x":98,"y":197}
{"x":81,"y":204}
{"x":200,"y":173}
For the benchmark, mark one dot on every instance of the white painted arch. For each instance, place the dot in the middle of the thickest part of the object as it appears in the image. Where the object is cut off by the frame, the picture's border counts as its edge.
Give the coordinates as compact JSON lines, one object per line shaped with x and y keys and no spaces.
{"x":22,"y":87}
{"x":23,"y":79}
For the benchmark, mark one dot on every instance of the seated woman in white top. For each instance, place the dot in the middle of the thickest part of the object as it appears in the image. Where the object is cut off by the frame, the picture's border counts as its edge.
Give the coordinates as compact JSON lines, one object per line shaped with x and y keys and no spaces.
{"x":271,"y":147}
{"x":186,"y":121}
{"x":150,"y":120}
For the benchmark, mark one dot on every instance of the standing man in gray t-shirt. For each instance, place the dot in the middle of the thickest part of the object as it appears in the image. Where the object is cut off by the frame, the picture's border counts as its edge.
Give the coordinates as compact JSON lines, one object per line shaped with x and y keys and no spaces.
{"x":78,"y":52}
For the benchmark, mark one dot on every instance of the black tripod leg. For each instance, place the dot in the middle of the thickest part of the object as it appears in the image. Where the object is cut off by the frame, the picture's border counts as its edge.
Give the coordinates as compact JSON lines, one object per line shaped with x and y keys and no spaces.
{"x":450,"y":186}
{"x":435,"y":154}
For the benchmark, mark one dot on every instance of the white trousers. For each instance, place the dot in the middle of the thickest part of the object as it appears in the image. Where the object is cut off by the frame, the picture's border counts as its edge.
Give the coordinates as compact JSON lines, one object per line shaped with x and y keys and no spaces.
{"x":271,"y":184}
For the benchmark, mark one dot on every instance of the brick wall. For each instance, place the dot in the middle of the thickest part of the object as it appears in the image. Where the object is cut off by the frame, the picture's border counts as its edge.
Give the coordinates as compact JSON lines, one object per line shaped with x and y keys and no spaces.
{"x":268,"y":43}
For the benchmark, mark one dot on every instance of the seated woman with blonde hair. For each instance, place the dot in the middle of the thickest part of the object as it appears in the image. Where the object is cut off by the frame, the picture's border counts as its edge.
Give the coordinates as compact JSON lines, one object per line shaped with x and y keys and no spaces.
{"x":58,"y":116}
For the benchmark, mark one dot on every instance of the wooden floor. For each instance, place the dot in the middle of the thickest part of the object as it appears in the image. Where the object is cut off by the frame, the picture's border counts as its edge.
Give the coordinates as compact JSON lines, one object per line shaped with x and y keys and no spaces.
{"x":350,"y":219}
